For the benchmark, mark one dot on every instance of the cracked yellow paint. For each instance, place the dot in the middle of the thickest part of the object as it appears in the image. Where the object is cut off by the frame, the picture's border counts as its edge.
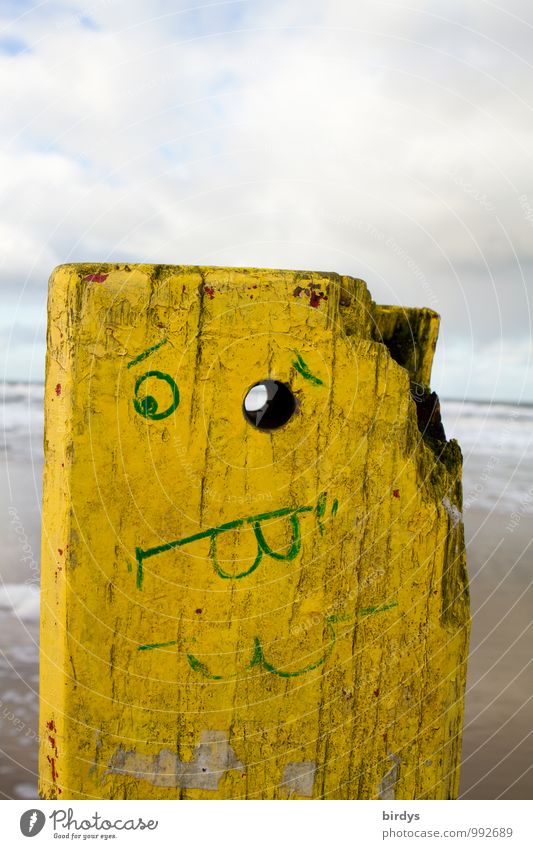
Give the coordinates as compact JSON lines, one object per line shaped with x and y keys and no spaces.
{"x":223,"y":607}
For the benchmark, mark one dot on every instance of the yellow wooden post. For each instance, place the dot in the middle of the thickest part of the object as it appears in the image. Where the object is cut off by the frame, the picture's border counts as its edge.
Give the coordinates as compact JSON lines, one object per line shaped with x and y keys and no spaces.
{"x":254,"y":578}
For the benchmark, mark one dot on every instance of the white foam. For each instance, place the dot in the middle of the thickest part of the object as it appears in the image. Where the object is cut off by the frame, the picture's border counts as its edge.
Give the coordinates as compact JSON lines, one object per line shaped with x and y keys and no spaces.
{"x":25,"y":790}
{"x":21,"y":407}
{"x":497,"y":445}
{"x":486,"y":429}
{"x":496,"y":440}
{"x":21,"y":600}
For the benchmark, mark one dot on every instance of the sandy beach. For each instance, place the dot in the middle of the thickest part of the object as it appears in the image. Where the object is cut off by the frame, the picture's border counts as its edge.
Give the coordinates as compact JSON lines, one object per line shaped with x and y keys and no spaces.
{"x":498,"y":476}
{"x":498,"y":739}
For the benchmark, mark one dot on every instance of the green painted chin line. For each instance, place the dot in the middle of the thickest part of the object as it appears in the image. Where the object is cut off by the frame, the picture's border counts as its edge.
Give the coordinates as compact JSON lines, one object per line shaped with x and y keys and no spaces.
{"x":293,"y":514}
{"x":258,"y":655}
{"x":150,"y":646}
{"x":302,"y":368}
{"x":381,"y":608}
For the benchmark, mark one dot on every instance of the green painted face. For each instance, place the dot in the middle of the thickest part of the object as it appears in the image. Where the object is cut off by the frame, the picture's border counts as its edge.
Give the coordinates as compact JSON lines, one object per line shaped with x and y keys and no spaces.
{"x":260,"y":556}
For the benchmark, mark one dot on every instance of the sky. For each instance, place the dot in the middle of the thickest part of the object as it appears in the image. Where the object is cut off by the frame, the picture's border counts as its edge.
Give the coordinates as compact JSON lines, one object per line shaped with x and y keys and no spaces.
{"x":386,"y":140}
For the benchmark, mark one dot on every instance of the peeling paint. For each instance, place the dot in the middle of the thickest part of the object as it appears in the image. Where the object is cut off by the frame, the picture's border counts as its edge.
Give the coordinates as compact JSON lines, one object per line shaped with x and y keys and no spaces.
{"x":95,"y":278}
{"x":299,"y":778}
{"x":315,"y":298}
{"x":387,"y":785}
{"x":453,"y":512}
{"x":212,"y":758}
{"x":52,"y":762}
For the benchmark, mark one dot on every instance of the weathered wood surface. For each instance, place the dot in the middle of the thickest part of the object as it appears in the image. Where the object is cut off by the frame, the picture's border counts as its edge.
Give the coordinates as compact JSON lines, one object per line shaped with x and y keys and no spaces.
{"x":228,"y":612}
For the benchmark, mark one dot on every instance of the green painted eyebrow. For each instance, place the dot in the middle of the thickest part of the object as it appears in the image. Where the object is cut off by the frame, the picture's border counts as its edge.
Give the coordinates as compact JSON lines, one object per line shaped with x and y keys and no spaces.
{"x":146,"y":353}
{"x":301,"y":366}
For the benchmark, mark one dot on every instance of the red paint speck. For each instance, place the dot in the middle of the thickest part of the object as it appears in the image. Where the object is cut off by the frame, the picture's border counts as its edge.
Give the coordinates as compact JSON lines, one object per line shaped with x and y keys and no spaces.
{"x":58,"y":389}
{"x":52,"y":762}
{"x":51,"y":726}
{"x":60,"y":550}
{"x":210,"y":291}
{"x":376,"y":693}
{"x":95,"y":278}
{"x":52,"y":741}
{"x":316,"y":297}
{"x":396,"y":493}
{"x":198,"y":610}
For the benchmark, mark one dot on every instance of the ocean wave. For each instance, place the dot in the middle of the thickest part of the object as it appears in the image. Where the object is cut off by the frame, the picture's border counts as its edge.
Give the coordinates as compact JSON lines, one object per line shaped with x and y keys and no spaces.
{"x":20,"y":600}
{"x":22,"y":393}
{"x":486,"y":429}
{"x":22,"y":410}
{"x":496,"y":440}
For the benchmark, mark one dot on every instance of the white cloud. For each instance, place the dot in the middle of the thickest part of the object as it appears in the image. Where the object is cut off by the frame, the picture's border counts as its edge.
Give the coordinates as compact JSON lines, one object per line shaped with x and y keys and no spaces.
{"x":388,"y":142}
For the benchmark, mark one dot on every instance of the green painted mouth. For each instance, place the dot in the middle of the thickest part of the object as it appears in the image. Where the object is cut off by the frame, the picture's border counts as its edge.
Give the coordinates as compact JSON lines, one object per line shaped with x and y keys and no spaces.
{"x":293,"y":513}
{"x":258,"y":656}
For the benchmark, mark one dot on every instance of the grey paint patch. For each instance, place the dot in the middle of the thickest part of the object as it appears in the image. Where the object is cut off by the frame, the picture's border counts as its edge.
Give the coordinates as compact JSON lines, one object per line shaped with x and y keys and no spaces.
{"x":453,"y":512}
{"x":97,"y":749}
{"x":387,"y":785}
{"x":211,"y":759}
{"x":299,"y":778}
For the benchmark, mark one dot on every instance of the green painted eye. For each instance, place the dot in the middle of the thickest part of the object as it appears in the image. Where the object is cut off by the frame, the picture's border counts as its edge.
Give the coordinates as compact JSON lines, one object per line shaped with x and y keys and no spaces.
{"x":148,"y":405}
